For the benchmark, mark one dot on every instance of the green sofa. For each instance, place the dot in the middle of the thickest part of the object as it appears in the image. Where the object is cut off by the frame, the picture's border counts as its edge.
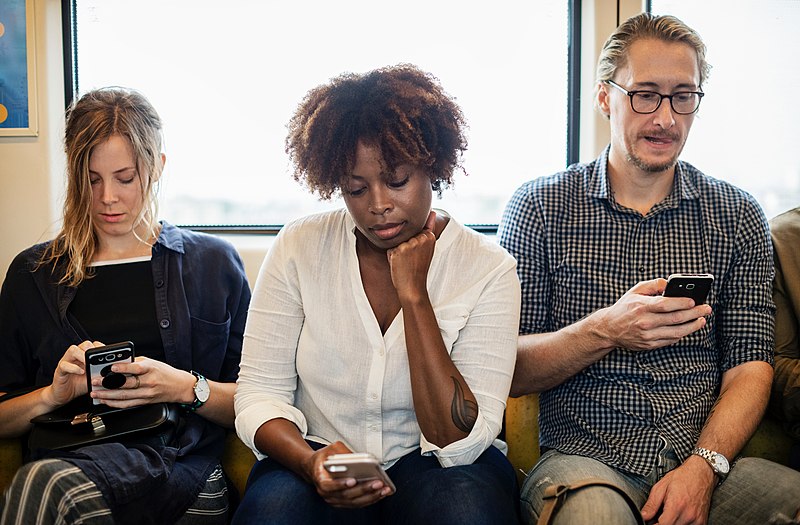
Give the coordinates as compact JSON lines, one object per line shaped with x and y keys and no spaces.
{"x":769,"y":441}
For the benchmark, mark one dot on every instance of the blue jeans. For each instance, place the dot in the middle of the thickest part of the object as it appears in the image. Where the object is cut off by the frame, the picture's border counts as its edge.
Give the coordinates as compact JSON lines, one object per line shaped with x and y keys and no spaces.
{"x":755,"y":491}
{"x":484,"y":492}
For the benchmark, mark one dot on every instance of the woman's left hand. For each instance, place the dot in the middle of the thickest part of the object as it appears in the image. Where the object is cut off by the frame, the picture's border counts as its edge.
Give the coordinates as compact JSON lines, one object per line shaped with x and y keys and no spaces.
{"x":409,"y":262}
{"x":148,"y":381}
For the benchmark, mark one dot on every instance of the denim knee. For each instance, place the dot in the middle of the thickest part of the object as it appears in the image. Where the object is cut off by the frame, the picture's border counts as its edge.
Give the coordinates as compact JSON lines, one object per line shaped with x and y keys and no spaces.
{"x":590,"y":505}
{"x":484,"y":492}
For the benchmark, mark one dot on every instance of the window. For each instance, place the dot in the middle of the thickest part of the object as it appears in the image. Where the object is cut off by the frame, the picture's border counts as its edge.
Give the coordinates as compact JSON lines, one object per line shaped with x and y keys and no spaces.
{"x":746,"y":130}
{"x":226,"y":77}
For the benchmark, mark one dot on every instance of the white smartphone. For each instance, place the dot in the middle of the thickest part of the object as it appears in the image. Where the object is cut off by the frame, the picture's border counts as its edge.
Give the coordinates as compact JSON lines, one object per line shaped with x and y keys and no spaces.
{"x":99,"y":361}
{"x":693,"y":285}
{"x":359,"y":465}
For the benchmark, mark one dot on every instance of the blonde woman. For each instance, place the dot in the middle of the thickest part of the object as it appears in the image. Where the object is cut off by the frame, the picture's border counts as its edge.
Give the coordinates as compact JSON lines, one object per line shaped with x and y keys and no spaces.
{"x":114,"y":273}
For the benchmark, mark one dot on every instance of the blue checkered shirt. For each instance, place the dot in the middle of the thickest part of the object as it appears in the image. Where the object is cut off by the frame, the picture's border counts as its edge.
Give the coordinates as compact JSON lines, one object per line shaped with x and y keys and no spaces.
{"x":577,"y":251}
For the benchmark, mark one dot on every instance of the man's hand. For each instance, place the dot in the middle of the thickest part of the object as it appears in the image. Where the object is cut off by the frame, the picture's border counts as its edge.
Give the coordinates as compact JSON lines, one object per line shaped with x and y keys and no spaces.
{"x":683,"y":496}
{"x":644,"y":320}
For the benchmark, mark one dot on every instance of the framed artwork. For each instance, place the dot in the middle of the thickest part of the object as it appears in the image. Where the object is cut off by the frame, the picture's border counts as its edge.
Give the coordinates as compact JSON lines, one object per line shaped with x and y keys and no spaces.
{"x":18,"y":116}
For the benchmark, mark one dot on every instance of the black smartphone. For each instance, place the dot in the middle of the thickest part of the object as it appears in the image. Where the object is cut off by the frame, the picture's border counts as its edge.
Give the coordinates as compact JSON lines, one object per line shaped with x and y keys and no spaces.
{"x":99,"y":361}
{"x":693,"y":285}
{"x":361,"y":466}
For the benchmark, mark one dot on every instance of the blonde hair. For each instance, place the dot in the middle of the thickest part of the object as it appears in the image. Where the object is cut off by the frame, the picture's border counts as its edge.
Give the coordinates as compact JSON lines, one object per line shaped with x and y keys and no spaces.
{"x":642,"y":26}
{"x":91,"y":121}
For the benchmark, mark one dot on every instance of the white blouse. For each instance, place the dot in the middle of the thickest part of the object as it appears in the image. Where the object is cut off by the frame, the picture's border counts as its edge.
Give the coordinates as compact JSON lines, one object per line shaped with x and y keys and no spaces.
{"x":314,"y":353}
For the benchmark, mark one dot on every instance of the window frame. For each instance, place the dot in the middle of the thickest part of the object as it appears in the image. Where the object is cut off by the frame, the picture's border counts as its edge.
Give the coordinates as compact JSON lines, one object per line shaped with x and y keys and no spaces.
{"x":574,"y":28}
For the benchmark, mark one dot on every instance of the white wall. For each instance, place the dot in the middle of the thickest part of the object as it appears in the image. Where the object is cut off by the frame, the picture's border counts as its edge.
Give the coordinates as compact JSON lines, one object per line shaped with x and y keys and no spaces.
{"x":30,"y":167}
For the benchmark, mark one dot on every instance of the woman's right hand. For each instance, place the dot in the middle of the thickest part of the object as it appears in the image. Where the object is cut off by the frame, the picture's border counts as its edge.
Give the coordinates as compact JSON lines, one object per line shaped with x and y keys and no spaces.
{"x":69,"y":379}
{"x":342,"y":492}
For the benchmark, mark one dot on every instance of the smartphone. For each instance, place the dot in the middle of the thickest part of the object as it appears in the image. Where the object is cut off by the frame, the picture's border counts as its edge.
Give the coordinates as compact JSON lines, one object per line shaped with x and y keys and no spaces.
{"x":98,"y":364}
{"x":361,"y":466}
{"x":694,"y":285}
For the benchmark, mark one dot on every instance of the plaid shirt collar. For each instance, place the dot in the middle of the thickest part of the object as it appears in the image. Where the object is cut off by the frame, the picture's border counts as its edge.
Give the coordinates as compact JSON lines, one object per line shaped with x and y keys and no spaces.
{"x":598,"y":186}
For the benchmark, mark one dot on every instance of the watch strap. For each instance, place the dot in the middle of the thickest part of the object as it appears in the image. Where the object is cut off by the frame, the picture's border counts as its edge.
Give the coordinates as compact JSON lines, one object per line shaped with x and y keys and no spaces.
{"x":196,"y":403}
{"x":709,"y":456}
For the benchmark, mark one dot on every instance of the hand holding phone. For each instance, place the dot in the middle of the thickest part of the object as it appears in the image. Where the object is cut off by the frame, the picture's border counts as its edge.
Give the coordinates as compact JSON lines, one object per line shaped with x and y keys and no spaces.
{"x":693,"y":285}
{"x":361,"y":466}
{"x":98,"y":365}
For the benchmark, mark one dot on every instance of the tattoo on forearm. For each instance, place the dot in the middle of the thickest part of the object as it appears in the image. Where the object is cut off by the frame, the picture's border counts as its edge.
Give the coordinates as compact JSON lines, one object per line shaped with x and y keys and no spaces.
{"x":463,"y":411}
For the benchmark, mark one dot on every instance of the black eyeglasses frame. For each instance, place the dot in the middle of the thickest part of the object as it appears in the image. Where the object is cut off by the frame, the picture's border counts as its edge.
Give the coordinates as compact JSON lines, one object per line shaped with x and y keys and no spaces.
{"x":631,"y":94}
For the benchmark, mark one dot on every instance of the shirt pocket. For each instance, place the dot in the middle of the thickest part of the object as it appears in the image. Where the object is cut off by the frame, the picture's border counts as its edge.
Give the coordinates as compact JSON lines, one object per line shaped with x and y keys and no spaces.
{"x":209,"y":345}
{"x":451,"y":319}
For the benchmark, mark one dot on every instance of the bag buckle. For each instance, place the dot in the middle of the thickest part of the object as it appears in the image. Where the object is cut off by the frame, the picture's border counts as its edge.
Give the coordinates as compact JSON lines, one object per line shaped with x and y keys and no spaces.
{"x":98,"y":427}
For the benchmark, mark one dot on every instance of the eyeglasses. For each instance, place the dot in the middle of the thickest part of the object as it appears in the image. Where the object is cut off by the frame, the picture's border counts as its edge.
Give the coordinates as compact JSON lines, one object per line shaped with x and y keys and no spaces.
{"x":645,"y":102}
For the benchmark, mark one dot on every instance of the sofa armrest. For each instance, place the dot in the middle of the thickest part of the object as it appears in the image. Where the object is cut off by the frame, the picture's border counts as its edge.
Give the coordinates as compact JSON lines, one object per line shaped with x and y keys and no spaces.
{"x":770,"y":441}
{"x":10,"y":460}
{"x":522,"y":432}
{"x":237,"y":461}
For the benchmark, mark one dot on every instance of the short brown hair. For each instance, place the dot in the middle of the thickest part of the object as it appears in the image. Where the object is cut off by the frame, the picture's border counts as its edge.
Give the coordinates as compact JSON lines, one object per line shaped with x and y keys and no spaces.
{"x":646,"y":25}
{"x":399,"y":109}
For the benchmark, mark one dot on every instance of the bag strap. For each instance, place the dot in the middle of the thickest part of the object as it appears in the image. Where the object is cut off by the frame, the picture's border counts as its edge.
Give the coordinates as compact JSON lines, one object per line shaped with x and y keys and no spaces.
{"x":556,"y":495}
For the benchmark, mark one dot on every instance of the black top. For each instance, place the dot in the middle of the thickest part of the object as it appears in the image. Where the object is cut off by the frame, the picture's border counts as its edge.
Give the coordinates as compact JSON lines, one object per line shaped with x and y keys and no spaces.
{"x":118,"y":304}
{"x":201,"y":296}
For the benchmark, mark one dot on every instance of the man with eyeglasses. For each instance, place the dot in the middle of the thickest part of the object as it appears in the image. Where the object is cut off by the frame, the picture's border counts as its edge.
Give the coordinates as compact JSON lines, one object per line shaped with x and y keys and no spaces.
{"x":652,"y":395}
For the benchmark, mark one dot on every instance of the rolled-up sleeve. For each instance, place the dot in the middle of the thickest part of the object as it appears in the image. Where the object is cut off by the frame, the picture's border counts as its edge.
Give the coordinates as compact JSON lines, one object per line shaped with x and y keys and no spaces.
{"x":268,"y":374}
{"x":485,"y":352}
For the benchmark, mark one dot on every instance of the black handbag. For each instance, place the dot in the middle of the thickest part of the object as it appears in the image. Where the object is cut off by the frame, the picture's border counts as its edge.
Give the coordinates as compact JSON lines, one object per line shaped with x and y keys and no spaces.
{"x":79,"y":423}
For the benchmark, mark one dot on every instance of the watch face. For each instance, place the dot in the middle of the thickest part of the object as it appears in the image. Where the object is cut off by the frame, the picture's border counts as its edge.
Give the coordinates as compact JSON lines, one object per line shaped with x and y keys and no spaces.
{"x":721,"y":463}
{"x":202,"y":391}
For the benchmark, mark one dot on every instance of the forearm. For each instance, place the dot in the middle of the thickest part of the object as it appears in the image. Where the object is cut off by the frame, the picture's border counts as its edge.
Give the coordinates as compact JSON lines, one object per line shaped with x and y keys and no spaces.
{"x":738,"y":409}
{"x":16,"y":413}
{"x":546,"y":360}
{"x":219,"y":407}
{"x":281,"y":440}
{"x":445,"y":407}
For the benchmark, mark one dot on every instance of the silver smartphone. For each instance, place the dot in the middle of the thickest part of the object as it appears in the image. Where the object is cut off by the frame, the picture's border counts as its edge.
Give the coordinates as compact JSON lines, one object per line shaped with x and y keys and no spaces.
{"x":98,"y":364}
{"x":359,"y":465}
{"x":693,"y":285}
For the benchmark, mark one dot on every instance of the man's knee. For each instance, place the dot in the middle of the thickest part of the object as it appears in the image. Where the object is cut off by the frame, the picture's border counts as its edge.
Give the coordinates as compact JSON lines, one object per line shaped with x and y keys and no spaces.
{"x":589,"y":505}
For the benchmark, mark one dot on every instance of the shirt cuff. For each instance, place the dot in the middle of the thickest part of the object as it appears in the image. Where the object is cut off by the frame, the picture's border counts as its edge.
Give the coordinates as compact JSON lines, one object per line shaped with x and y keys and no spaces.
{"x":250,"y":419}
{"x":464,"y":451}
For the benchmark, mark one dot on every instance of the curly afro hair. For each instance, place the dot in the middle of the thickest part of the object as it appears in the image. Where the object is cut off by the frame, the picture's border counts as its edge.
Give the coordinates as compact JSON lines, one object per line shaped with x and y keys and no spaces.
{"x":400,"y":109}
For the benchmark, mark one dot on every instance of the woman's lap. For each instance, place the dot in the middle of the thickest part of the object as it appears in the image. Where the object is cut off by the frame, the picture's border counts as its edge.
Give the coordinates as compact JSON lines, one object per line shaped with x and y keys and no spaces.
{"x":483,"y":492}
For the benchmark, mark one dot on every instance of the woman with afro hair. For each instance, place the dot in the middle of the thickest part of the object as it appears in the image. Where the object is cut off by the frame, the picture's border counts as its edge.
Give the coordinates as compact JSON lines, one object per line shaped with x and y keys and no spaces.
{"x":384,"y":328}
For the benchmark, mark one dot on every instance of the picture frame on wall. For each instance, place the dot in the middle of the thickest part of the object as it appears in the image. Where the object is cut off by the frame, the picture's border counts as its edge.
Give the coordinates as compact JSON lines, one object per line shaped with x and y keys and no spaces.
{"x":18,"y":111}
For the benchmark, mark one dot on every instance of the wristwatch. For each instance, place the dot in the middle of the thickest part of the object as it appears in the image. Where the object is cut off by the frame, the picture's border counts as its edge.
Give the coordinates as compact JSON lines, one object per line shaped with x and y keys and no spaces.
{"x":719,"y":463}
{"x":201,"y":392}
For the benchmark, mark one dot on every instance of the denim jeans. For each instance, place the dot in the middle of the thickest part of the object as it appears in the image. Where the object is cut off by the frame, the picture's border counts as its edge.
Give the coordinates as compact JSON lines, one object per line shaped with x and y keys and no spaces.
{"x":755,"y":492}
{"x":484,"y":492}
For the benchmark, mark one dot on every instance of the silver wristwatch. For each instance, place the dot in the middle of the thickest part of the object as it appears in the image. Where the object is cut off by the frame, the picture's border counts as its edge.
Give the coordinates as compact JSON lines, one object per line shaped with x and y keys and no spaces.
{"x":201,"y":392}
{"x":719,"y":463}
